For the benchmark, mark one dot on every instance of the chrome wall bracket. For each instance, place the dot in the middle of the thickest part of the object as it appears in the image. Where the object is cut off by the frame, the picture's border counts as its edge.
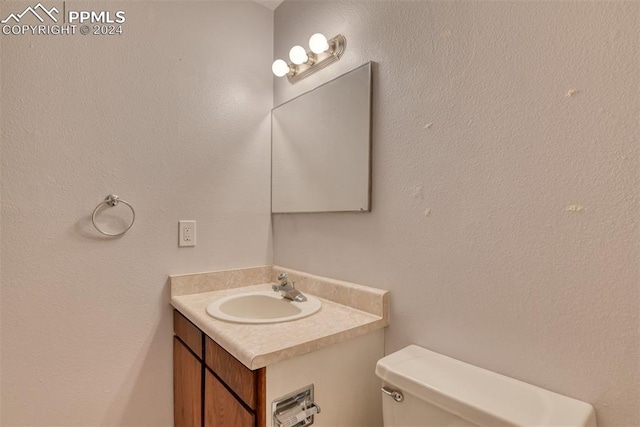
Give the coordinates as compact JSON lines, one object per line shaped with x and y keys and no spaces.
{"x":296,"y":409}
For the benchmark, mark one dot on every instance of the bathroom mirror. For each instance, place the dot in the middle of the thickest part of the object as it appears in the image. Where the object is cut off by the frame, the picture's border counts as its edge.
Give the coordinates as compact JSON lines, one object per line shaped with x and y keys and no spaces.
{"x":321,"y":148}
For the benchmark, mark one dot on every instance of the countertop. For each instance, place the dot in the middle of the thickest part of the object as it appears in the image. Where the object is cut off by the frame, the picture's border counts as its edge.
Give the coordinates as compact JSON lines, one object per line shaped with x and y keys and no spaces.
{"x":257,"y":346}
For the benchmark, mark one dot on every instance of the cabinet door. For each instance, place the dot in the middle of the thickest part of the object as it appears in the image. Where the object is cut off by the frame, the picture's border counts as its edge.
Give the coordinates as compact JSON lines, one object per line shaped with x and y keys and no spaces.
{"x":187,"y":387}
{"x":222,"y":408}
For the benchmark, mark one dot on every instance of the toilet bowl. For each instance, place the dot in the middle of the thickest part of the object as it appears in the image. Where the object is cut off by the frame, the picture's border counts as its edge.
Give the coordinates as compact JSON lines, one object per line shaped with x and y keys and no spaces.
{"x":424,"y":388}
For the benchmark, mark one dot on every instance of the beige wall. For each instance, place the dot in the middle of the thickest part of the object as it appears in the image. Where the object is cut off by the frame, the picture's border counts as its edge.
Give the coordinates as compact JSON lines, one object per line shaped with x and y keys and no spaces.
{"x":1,"y":226}
{"x":507,"y":229}
{"x":174,"y":117}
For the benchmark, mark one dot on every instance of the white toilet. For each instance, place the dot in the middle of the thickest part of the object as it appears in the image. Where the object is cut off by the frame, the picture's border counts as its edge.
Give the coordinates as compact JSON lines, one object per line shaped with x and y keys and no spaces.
{"x":423,"y":388}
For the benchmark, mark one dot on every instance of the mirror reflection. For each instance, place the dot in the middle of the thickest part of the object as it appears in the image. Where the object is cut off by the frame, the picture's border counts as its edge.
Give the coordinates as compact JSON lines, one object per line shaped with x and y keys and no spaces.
{"x":321,"y":148}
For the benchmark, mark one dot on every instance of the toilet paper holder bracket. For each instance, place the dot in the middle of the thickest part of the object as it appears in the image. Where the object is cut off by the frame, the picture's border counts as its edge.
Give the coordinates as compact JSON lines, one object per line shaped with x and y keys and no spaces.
{"x":296,"y":409}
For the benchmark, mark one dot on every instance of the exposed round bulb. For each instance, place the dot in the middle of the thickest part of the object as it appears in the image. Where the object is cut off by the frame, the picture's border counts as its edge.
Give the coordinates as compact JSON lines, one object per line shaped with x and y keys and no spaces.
{"x":298,"y":55}
{"x":280,"y":68}
{"x":318,"y":43}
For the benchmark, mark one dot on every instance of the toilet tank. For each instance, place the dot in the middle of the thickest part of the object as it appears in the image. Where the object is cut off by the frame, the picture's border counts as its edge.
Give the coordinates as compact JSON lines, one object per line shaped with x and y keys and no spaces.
{"x":440,"y":391}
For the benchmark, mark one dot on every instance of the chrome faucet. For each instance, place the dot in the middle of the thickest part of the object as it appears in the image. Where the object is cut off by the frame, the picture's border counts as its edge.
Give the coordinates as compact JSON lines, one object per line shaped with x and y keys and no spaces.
{"x":286,"y":289}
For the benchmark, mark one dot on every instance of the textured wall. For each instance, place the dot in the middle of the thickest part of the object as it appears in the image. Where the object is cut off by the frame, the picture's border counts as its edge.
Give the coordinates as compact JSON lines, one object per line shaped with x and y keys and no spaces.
{"x":1,"y":133}
{"x":173,"y":117}
{"x":505,"y":185}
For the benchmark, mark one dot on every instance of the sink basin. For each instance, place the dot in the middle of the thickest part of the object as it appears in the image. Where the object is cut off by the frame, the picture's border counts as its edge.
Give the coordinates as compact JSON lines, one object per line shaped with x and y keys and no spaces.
{"x":261,"y":307}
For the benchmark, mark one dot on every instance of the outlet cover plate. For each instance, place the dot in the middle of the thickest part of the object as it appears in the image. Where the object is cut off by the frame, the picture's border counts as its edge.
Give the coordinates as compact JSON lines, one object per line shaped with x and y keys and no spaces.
{"x":186,"y":233}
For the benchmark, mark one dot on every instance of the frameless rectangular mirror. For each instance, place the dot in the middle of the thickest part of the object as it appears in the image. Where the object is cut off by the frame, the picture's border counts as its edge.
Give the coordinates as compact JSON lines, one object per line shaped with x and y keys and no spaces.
{"x":321,"y":148}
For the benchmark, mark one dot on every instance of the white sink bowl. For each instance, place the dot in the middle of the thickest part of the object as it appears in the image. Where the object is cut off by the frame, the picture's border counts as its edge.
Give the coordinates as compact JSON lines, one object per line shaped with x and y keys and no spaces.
{"x":261,"y":307}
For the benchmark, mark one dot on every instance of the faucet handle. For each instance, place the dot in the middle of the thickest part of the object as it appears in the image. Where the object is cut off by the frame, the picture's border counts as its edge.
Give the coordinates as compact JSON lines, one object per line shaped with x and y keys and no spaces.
{"x":282,"y":276}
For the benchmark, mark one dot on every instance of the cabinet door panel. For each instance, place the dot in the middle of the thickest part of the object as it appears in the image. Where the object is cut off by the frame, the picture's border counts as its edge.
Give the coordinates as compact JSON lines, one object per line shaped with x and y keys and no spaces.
{"x":242,"y":380}
{"x":187,"y":387}
{"x":222,"y":408}
{"x":188,"y":333}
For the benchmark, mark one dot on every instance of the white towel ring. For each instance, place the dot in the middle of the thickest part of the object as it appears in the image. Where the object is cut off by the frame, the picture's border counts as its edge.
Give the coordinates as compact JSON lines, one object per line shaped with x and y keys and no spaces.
{"x":113,"y":200}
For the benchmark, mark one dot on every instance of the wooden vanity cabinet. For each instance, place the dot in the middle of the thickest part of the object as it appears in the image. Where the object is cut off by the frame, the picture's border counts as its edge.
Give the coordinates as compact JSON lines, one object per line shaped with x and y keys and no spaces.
{"x":211,"y":387}
{"x":188,"y":371}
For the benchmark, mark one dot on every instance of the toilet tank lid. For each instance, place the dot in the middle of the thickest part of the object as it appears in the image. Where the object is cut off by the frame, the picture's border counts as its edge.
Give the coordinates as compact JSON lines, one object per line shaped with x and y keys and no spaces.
{"x":478,"y":395}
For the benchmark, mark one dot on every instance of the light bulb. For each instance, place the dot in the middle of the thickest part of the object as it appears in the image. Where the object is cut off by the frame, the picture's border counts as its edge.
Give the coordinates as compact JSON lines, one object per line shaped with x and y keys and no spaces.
{"x":318,"y":43}
{"x":298,"y":55}
{"x":280,"y":68}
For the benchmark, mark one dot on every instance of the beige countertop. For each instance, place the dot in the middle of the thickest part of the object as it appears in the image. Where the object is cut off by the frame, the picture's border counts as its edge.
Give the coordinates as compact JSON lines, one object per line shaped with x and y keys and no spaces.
{"x":348,"y":310}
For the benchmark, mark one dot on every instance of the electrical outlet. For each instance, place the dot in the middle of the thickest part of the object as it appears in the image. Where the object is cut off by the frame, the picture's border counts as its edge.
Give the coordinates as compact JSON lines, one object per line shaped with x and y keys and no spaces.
{"x":186,"y":233}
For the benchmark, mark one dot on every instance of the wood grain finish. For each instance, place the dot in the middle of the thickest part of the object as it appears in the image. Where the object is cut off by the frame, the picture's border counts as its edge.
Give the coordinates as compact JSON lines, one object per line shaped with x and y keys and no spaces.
{"x":202,"y":398}
{"x":188,"y":333}
{"x":242,"y":380}
{"x":222,"y":408}
{"x":187,"y":387}
{"x":261,"y":391}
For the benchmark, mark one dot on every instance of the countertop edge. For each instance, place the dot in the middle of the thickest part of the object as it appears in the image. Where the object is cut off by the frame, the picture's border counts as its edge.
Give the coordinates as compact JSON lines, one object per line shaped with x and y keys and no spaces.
{"x":255,"y":360}
{"x":234,"y":349}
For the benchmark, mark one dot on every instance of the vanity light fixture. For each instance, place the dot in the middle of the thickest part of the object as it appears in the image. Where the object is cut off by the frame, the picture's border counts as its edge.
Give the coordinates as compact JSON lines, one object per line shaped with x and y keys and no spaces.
{"x":322,"y":52}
